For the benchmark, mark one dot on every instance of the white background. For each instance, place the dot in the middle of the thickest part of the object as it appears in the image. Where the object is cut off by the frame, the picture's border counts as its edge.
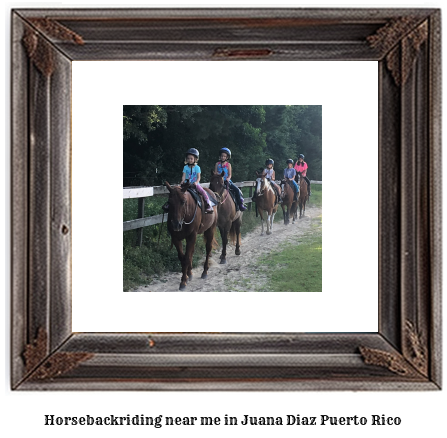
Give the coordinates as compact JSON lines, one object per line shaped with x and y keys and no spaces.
{"x":22,"y":414}
{"x":350,"y":224}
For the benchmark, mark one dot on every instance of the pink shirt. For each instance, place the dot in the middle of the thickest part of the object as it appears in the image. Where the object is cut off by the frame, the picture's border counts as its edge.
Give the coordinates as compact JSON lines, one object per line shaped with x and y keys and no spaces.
{"x":301,"y":167}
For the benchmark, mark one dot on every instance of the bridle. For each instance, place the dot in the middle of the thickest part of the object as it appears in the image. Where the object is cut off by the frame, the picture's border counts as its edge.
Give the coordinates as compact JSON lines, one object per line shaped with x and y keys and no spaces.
{"x":261,"y":191}
{"x":220,"y":194}
{"x":182,"y":222}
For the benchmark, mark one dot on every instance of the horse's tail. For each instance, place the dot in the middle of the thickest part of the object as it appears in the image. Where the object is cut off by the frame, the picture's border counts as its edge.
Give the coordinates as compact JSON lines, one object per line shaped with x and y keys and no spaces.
{"x":232,"y":234}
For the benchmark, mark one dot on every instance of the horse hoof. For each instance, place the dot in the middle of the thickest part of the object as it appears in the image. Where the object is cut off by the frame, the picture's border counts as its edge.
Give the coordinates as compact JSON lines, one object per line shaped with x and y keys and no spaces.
{"x":182,"y":287}
{"x":204,"y":276}
{"x":237,"y":252}
{"x":268,"y":233}
{"x":223,"y":261}
{"x":190,"y":277}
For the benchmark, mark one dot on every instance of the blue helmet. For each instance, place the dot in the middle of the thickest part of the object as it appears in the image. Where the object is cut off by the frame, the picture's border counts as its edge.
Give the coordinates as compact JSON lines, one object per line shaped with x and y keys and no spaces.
{"x":227,"y":151}
{"x":269,"y":161}
{"x":289,"y":161}
{"x":301,"y":156}
{"x":194,"y":152}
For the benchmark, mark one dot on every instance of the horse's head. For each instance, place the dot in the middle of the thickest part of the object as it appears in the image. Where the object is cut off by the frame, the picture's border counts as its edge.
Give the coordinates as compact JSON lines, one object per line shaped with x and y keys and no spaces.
{"x":261,"y":182}
{"x":177,"y":205}
{"x":217,"y":184}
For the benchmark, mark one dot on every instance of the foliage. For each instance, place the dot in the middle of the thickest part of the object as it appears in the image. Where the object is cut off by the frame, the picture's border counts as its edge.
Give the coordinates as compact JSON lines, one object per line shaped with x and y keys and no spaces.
{"x":156,"y":137}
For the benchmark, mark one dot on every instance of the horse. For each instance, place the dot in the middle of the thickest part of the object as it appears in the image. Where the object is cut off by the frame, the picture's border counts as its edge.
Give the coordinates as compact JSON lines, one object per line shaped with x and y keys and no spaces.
{"x":185,"y":221}
{"x":289,"y":206}
{"x":229,"y":220}
{"x":265,"y":201}
{"x":303,"y":196}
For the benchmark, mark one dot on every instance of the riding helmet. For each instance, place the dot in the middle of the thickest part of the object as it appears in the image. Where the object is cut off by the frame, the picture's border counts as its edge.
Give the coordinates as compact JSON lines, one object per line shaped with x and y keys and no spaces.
{"x":301,"y":156}
{"x":269,"y":161}
{"x":194,"y":152}
{"x":227,"y":151}
{"x":289,"y":161}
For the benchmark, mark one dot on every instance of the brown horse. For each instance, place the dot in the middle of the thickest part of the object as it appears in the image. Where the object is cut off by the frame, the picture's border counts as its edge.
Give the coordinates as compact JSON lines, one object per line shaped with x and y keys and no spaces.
{"x":229,"y":220}
{"x":289,"y":206}
{"x":185,"y":221}
{"x":303,"y":196}
{"x":265,"y":201}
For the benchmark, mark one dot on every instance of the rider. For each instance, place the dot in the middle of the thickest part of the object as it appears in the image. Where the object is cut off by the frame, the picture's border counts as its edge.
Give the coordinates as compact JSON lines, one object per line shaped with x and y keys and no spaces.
{"x":301,"y":166}
{"x":224,"y":166}
{"x":289,"y":173}
{"x":191,"y":173}
{"x":270,"y":175}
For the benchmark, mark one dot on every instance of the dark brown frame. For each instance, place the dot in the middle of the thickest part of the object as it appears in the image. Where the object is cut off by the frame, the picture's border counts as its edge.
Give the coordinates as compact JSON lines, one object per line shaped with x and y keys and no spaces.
{"x":405,"y":354}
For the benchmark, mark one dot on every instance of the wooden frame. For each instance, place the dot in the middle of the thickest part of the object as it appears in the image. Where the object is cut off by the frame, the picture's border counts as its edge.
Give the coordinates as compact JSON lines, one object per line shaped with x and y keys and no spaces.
{"x":405,"y":354}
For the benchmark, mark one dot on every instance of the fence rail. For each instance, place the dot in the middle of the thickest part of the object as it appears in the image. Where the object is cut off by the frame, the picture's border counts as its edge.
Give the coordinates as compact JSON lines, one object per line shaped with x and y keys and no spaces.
{"x":144,"y":192}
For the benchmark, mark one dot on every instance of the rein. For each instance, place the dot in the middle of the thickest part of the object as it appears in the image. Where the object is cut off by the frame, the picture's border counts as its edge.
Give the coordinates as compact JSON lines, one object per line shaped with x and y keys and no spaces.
{"x":192,"y":220}
{"x":228,"y":192}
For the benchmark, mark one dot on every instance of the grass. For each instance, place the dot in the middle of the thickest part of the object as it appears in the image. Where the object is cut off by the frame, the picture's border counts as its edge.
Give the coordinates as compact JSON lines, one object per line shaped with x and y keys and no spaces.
{"x":296,"y":266}
{"x":142,"y":265}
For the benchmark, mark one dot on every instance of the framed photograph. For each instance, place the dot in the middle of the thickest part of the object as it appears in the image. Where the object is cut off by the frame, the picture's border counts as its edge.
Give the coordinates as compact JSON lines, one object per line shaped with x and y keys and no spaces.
{"x":404,"y":353}
{"x":252,"y":145}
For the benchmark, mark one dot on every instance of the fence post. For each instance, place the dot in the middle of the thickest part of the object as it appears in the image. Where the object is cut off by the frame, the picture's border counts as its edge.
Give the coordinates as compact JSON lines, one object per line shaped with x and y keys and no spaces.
{"x":140,"y":215}
{"x":250,"y":194}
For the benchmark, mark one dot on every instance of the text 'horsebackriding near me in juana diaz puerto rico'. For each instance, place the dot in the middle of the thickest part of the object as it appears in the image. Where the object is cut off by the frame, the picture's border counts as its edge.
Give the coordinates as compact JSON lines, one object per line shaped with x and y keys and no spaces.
{"x":229,"y":218}
{"x":186,"y":218}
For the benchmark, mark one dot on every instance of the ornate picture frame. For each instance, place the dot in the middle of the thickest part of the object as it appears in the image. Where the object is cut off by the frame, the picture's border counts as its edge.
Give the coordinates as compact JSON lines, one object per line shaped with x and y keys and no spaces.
{"x":405,"y":353}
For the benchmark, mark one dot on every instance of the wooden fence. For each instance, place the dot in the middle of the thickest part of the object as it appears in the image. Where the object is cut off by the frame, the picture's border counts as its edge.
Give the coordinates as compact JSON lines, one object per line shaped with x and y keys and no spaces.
{"x":144,"y":192}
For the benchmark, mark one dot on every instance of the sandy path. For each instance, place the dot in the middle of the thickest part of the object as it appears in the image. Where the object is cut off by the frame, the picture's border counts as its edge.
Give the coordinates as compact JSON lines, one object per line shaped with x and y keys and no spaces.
{"x":240,"y":273}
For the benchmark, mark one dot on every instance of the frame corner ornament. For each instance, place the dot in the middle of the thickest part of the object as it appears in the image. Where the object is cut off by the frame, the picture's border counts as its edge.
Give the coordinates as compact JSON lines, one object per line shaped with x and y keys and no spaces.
{"x":40,"y":366}
{"x":38,"y":49}
{"x":417,"y":349}
{"x":400,"y":57}
{"x":394,"y":362}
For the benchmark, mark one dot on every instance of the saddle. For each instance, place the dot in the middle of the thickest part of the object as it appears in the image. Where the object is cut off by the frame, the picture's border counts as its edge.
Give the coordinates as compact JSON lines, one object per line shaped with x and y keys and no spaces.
{"x":198,"y":198}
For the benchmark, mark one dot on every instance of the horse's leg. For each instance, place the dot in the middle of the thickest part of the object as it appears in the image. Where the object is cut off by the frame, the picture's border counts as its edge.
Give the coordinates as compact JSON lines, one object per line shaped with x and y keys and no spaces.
{"x":262,"y":221}
{"x":179,"y":246}
{"x":284,"y":213}
{"x":237,"y":229}
{"x":224,"y":236}
{"x":269,"y":222}
{"x":272,"y":216}
{"x":209,"y":236}
{"x":293,"y":212}
{"x":190,"y":245}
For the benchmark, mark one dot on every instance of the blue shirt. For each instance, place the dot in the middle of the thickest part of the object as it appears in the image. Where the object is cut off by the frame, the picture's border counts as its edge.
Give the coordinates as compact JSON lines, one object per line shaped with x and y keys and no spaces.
{"x":289,"y":173}
{"x":191,"y":174}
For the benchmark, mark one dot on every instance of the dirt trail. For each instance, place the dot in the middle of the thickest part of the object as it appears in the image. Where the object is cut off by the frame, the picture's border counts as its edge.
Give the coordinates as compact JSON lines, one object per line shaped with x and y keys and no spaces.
{"x":240,"y":273}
